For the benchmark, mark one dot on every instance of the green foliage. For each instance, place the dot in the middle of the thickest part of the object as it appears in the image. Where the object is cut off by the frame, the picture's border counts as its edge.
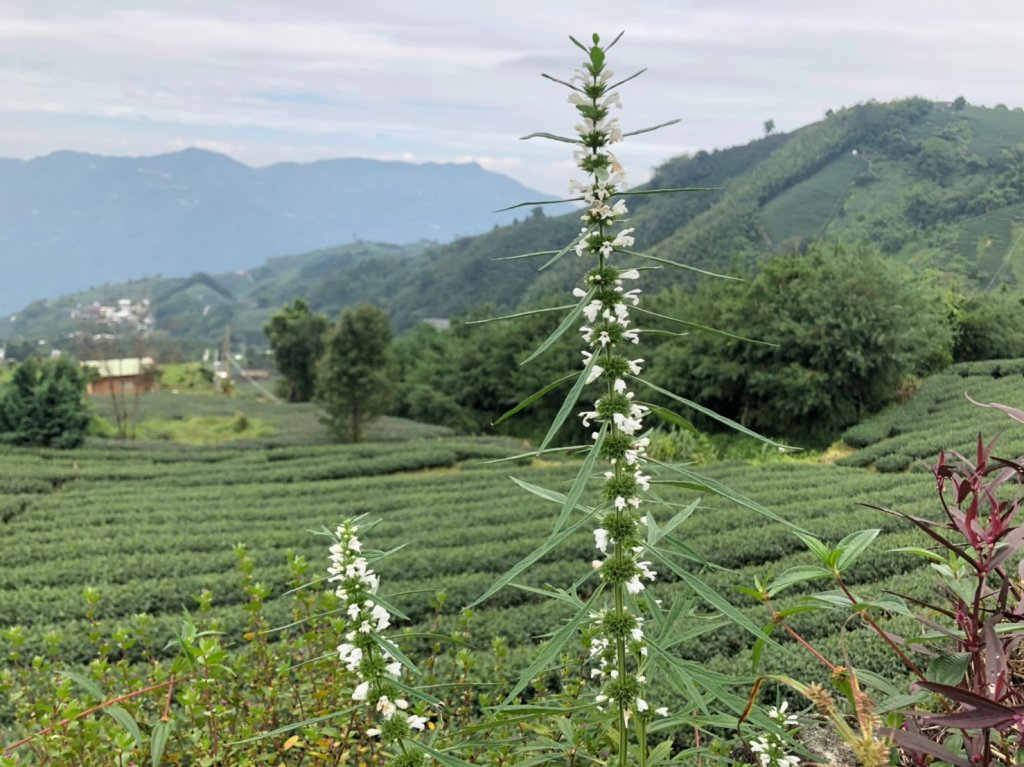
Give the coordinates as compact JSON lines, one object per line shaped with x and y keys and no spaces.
{"x":848,"y":329}
{"x":990,"y":326}
{"x":296,"y":337}
{"x":44,"y":405}
{"x":354,"y":382}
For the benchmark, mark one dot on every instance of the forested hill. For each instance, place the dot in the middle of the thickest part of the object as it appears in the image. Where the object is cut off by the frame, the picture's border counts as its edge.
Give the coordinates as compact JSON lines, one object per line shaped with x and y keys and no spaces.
{"x":934,"y":185}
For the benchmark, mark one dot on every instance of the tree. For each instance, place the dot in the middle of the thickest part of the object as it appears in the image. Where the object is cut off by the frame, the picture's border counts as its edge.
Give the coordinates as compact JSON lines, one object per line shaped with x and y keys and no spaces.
{"x":769,"y":126}
{"x":848,"y":329}
{"x":354,"y":382}
{"x":296,"y":337}
{"x":959,"y":103}
{"x":44,"y":405}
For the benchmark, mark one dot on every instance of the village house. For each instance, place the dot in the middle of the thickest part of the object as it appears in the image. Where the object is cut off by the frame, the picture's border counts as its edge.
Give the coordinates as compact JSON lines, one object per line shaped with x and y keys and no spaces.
{"x":129,"y":375}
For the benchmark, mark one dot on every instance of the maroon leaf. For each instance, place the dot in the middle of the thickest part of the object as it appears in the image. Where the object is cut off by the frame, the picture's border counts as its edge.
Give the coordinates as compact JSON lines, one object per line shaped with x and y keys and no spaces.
{"x":918,"y":743}
{"x":984,"y":713}
{"x":995,"y":657}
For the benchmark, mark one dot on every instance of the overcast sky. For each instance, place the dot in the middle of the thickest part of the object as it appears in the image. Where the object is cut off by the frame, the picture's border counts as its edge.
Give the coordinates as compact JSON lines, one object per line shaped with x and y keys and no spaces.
{"x":457,"y":80}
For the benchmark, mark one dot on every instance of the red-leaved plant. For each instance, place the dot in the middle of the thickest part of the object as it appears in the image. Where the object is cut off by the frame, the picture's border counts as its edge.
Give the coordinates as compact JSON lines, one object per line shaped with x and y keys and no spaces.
{"x":970,"y":632}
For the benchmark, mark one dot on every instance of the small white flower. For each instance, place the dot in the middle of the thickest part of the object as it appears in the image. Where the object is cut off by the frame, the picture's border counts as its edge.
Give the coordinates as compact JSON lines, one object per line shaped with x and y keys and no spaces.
{"x":372,"y":732}
{"x":601,"y":539}
{"x":385,"y":707}
{"x":641,"y":705}
{"x":393,"y":669}
{"x":417,"y":722}
{"x":361,"y":691}
{"x":634,"y":586}
{"x":629,"y":274}
{"x":663,"y":711}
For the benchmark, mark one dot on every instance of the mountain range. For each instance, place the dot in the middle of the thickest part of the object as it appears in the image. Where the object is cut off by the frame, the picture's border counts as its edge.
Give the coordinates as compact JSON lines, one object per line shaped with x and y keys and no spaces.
{"x":70,"y":220}
{"x":939,"y":186}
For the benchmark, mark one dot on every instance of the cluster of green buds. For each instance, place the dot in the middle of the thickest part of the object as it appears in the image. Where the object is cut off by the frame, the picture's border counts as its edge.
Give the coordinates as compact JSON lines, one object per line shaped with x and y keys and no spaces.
{"x":618,"y":649}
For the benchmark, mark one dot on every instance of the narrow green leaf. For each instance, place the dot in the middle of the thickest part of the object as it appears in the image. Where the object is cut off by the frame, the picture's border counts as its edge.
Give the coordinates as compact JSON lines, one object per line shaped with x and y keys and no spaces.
{"x":553,"y":137}
{"x":633,"y":76}
{"x":524,"y":563}
{"x":669,"y":417}
{"x":158,"y":737}
{"x":520,"y":314}
{"x":678,"y":265}
{"x":569,"y":405}
{"x":537,"y":395}
{"x":852,"y":546}
{"x":526,"y":255}
{"x":552,"y":648}
{"x":795,"y":575}
{"x":562,"y":82}
{"x":541,"y":202}
{"x":711,"y":414}
{"x":570,"y":319}
{"x":542,"y":492}
{"x":655,"y":533}
{"x":125,"y":719}
{"x":535,"y":453}
{"x":641,"y":192}
{"x":702,"y":328}
{"x":918,"y":551}
{"x":709,"y":485}
{"x":612,"y":43}
{"x":294,"y":726}
{"x":580,"y":45}
{"x":387,"y":645}
{"x":85,"y":683}
{"x":652,"y":128}
{"x":580,"y":483}
{"x":712,"y":597}
{"x":758,"y":649}
{"x":383,"y":601}
{"x":575,"y":241}
{"x":559,"y":596}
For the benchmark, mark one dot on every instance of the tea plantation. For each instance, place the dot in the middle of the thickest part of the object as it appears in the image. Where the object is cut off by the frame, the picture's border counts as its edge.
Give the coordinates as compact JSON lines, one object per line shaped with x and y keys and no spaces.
{"x":151,"y":527}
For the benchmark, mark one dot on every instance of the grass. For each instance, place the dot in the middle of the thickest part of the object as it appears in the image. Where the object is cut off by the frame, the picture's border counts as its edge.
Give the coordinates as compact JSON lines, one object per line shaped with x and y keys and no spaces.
{"x":203,"y":430}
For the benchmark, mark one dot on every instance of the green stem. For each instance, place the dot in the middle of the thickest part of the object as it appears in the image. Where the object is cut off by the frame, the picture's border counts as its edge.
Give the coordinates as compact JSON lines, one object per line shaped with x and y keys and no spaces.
{"x":641,"y":738}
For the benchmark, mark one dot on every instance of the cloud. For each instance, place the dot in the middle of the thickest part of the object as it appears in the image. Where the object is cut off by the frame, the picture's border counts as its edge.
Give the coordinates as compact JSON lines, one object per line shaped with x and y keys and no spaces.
{"x":441,"y":81}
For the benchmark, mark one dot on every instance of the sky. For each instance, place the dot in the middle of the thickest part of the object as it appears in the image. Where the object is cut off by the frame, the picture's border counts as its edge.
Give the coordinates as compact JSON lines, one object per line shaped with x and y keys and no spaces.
{"x":268,"y":81}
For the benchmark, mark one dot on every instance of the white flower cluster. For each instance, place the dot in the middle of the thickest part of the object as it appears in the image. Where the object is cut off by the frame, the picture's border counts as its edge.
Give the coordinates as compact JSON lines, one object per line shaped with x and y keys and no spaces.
{"x":607,"y":331}
{"x":360,"y":652}
{"x":769,"y":748}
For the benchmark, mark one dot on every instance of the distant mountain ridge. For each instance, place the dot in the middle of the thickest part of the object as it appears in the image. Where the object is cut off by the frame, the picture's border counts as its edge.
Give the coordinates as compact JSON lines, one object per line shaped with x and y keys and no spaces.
{"x":70,"y":220}
{"x":938,"y":186}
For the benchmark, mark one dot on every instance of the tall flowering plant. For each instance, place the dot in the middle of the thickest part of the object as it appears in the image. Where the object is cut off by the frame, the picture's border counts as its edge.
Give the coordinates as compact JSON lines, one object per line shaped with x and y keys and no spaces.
{"x":624,"y":622}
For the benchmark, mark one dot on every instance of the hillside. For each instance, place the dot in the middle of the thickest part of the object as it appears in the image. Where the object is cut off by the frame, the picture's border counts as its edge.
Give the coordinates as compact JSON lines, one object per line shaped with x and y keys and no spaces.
{"x":930,"y":184}
{"x":70,"y":220}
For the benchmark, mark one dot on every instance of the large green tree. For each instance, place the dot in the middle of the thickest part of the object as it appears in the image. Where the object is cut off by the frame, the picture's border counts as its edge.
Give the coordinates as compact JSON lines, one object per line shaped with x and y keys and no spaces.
{"x":296,"y":337}
{"x":44,"y":405}
{"x":355,"y":376}
{"x":848,"y":328}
